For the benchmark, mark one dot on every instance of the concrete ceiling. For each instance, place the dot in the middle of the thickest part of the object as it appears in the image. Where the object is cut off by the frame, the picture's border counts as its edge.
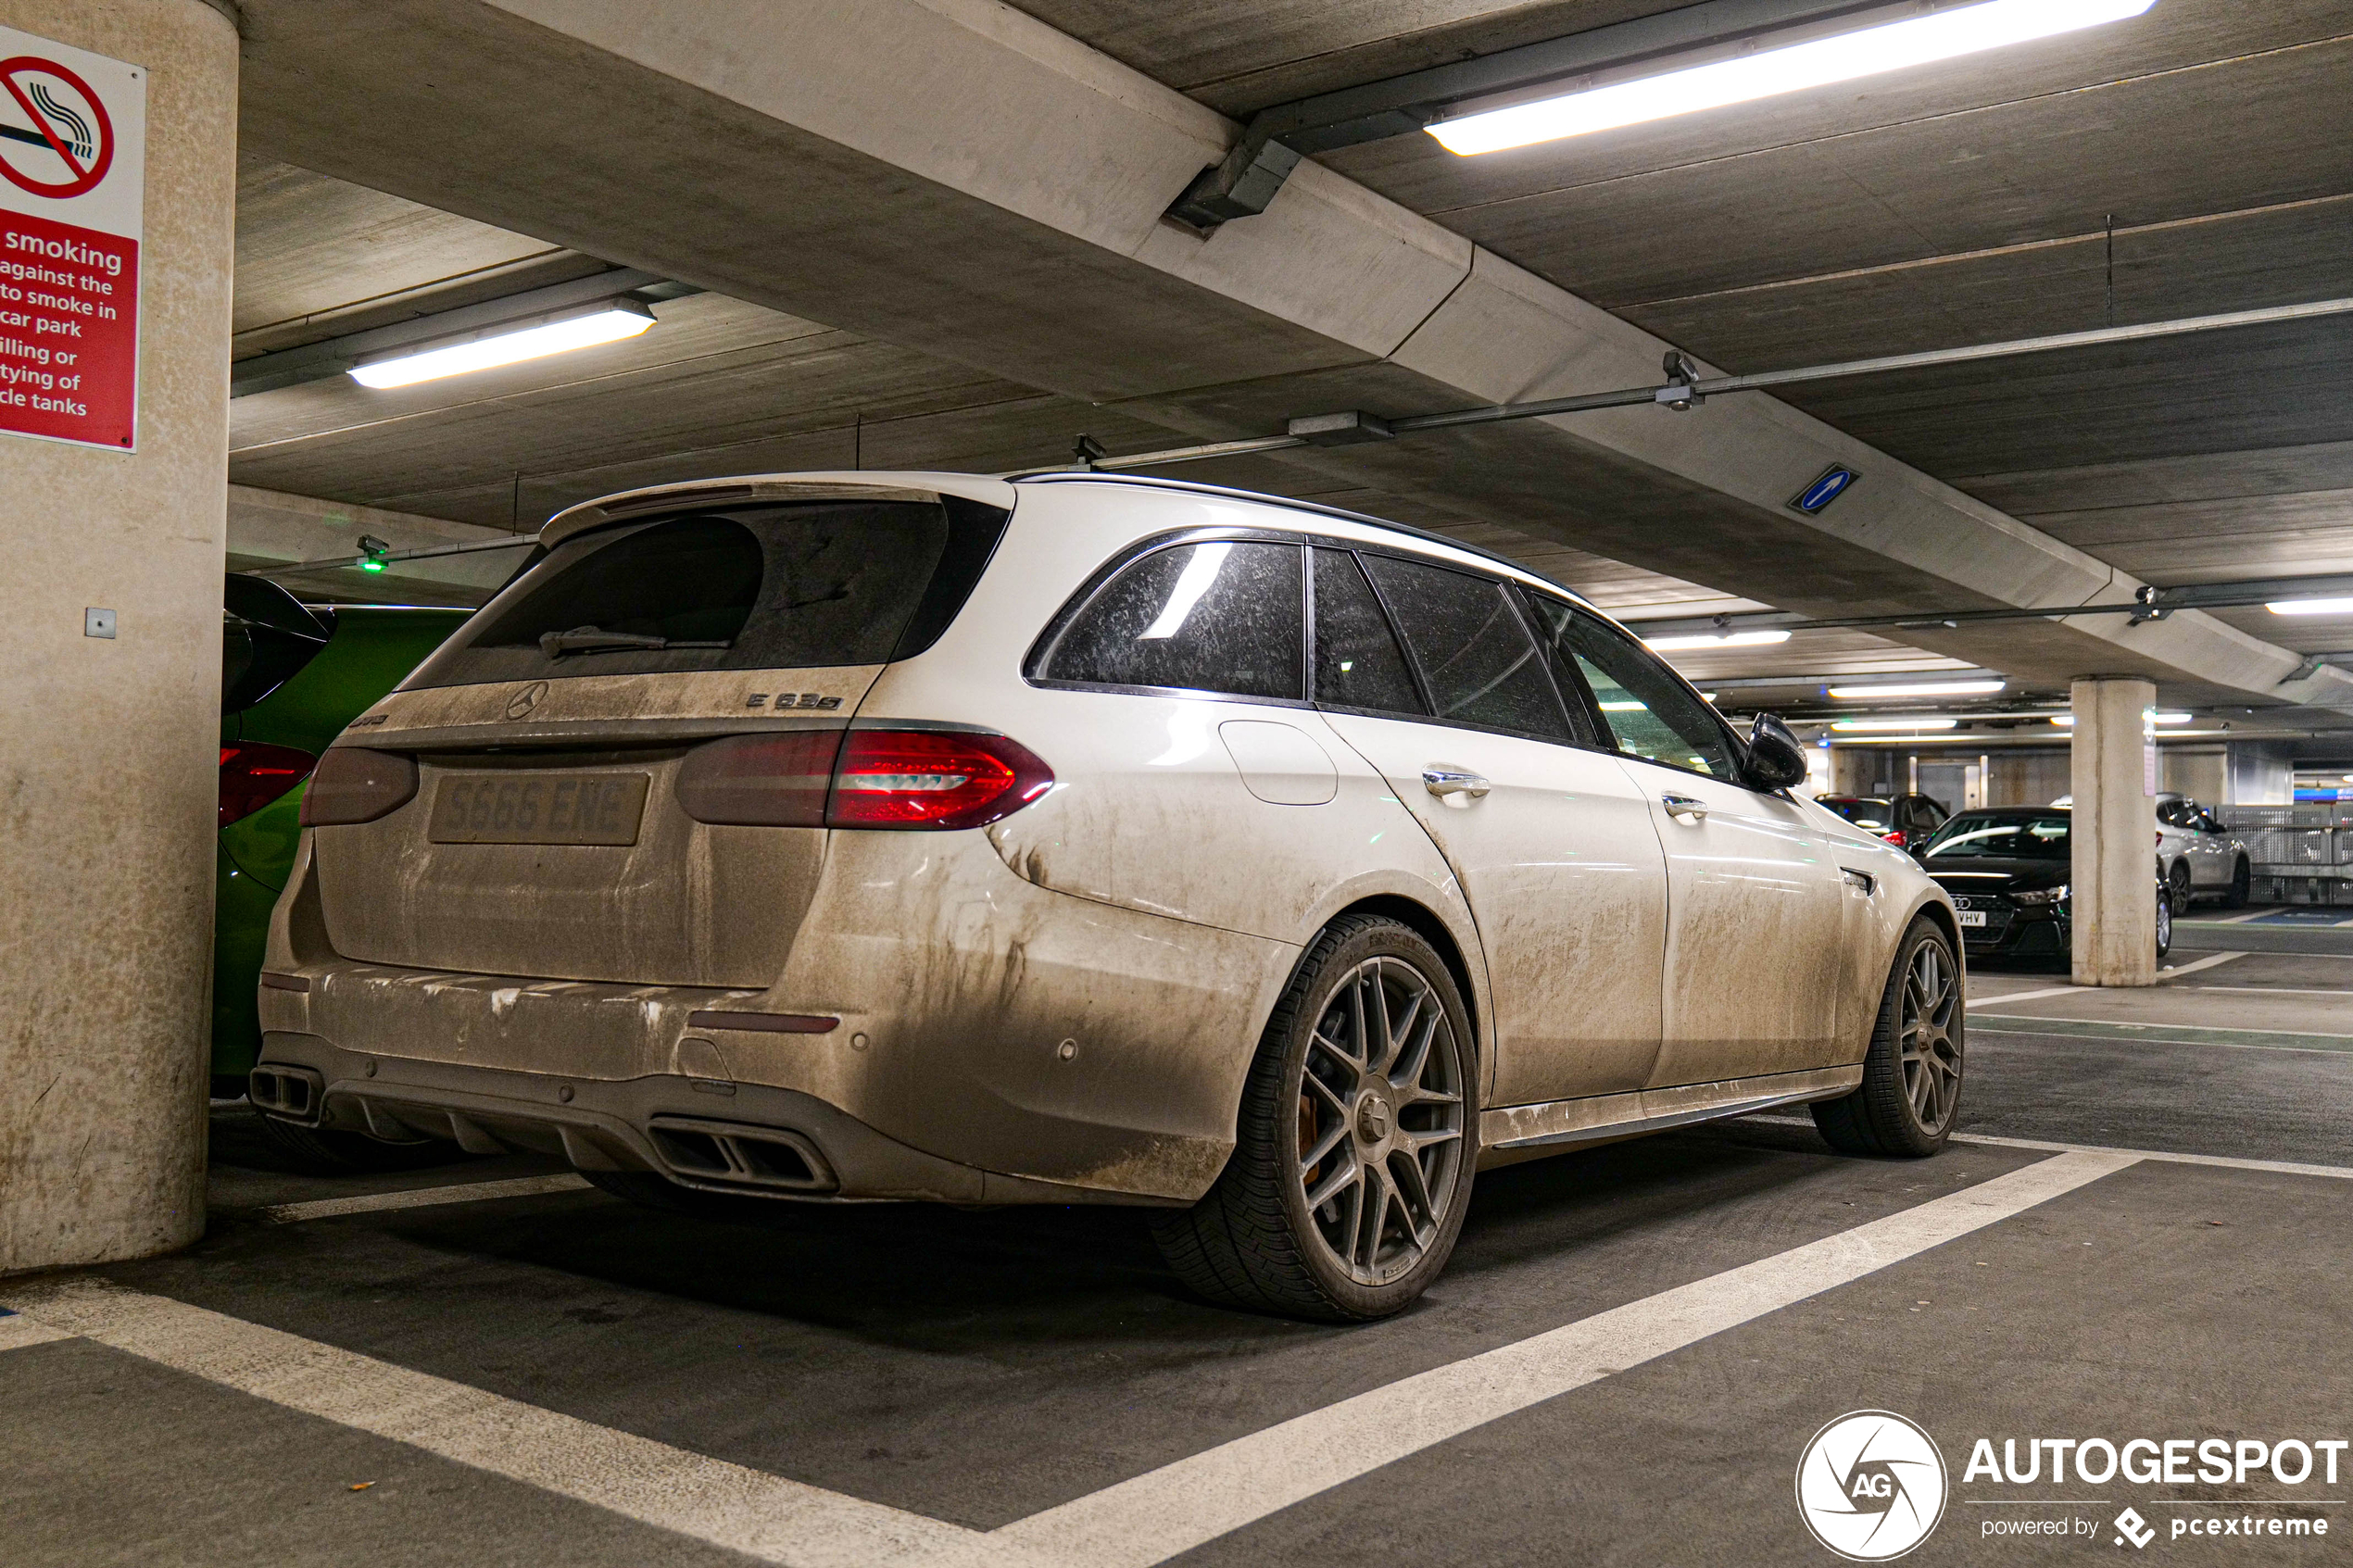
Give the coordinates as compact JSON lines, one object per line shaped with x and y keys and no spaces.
{"x":1950,"y":205}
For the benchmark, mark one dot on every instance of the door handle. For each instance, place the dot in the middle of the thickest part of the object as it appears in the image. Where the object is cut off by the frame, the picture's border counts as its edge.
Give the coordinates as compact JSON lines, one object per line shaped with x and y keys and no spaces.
{"x":1680,"y":805}
{"x":1443,"y":781}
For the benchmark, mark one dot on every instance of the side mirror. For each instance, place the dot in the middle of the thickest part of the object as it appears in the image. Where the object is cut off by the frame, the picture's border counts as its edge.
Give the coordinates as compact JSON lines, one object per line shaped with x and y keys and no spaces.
{"x":1775,"y":760}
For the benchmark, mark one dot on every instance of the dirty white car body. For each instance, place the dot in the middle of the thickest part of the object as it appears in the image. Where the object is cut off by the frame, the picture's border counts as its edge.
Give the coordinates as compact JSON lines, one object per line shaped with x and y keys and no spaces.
{"x":1063,"y":1003}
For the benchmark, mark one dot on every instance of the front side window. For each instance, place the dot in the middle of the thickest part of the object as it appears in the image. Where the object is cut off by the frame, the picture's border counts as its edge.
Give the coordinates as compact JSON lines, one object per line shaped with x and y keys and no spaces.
{"x":1224,"y":617}
{"x":1648,"y":711}
{"x":1472,"y":649}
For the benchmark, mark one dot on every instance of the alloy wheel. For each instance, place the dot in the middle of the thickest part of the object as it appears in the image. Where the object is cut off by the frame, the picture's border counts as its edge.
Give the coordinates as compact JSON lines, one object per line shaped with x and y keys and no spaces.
{"x":1380,"y":1120}
{"x":1931,"y":1050}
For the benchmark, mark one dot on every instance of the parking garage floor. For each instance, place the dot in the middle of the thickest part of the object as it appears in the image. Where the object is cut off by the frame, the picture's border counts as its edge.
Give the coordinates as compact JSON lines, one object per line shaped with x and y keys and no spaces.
{"x":488,"y":1363}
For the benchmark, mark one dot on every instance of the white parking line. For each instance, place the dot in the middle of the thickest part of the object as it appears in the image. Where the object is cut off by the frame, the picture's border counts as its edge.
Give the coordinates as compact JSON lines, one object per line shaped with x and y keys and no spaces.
{"x":2277,"y":991}
{"x":2281,"y":1167}
{"x":2207,"y":962}
{"x":17,"y":1331}
{"x":421,"y":1197}
{"x":727,"y":1505}
{"x":1133,"y":1524}
{"x":2034,"y":996}
{"x":1179,"y":1506}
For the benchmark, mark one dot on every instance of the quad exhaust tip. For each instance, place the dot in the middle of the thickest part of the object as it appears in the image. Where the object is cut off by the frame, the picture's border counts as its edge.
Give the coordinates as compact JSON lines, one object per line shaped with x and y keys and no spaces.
{"x":290,"y":1094}
{"x":737,"y":1155}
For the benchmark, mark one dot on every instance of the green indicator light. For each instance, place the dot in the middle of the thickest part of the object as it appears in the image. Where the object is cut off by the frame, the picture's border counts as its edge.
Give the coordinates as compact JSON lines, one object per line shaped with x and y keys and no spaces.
{"x":371,"y":565}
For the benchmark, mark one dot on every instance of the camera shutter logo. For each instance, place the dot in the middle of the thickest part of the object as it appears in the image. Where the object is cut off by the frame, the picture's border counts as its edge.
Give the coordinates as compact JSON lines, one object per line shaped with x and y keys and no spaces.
{"x":1872,"y":1486}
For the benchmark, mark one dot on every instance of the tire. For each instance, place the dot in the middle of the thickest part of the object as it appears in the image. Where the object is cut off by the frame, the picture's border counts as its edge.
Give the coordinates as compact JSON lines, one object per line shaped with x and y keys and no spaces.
{"x":2178,"y":891}
{"x":1401,"y":1117}
{"x":2242,"y":880}
{"x":1911,"y":1086}
{"x":2164,"y":925}
{"x":323,"y":1152}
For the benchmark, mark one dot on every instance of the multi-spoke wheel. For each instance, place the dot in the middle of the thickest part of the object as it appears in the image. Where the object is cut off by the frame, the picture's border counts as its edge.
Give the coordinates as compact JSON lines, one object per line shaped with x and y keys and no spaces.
{"x":1912,"y":1072}
{"x":1380,"y":1120}
{"x":2177,"y":888}
{"x":1928,"y":1025}
{"x":1354,"y":1145}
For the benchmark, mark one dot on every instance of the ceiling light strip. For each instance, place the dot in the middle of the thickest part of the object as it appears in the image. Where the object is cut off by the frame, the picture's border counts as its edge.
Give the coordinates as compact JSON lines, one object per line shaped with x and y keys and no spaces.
{"x":1767,"y":73}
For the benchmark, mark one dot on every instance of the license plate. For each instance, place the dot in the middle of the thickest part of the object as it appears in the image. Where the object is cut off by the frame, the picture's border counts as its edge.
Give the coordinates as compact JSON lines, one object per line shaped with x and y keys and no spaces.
{"x":1972,"y":917}
{"x":539,"y":809}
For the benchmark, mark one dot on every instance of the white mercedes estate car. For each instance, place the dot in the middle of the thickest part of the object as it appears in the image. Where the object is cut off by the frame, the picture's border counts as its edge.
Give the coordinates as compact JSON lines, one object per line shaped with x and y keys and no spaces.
{"x":1082,"y":839}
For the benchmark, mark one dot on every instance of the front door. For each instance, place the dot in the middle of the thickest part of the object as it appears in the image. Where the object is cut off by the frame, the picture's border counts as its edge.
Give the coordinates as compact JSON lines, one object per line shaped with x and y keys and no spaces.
{"x":1552,"y":843}
{"x":1756,"y":897}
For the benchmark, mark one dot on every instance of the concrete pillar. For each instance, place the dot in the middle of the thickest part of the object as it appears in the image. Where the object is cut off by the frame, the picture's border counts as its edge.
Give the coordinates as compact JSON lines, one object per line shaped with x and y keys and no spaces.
{"x":2114,"y":876}
{"x":107,"y":760}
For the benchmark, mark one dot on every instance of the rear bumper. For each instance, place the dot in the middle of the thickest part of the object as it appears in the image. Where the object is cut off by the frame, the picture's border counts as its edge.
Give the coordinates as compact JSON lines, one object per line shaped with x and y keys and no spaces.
{"x":748,"y":1139}
{"x":1001,"y":1035}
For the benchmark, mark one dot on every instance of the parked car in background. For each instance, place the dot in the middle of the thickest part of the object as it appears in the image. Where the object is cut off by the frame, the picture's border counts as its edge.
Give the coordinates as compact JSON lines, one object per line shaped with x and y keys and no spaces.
{"x":2006,"y":868}
{"x":1082,"y":839}
{"x":292,"y":676}
{"x":1905,"y":821}
{"x":2198,"y":856}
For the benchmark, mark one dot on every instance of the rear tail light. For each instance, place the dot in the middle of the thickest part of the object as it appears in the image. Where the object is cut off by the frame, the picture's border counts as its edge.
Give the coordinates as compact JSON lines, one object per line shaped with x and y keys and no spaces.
{"x":861,"y":779}
{"x":776,"y":781}
{"x":354,"y":784}
{"x":251,"y":776}
{"x":926,"y":779}
{"x":1896,"y":838}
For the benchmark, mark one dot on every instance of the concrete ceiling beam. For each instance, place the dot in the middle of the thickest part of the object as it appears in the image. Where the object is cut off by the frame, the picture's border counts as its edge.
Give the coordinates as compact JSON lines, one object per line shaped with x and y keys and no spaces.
{"x":953,"y":175}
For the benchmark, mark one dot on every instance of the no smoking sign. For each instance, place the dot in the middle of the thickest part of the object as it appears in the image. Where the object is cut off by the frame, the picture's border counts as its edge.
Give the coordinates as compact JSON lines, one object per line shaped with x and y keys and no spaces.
{"x":72,"y":183}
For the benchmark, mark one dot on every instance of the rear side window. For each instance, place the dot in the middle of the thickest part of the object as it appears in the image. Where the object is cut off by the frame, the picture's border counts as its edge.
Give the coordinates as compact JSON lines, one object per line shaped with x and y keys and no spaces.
{"x":1224,"y":617}
{"x":1649,"y":713}
{"x":799,"y":586}
{"x":1471,"y":647}
{"x":1358,"y":663}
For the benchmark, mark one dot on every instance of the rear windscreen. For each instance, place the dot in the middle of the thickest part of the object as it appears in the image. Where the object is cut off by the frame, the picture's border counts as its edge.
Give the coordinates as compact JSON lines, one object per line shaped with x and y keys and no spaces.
{"x":791,"y":587}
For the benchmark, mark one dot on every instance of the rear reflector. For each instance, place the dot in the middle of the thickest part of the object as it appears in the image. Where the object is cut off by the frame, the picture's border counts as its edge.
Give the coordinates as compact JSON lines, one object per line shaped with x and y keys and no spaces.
{"x":863,"y":779}
{"x":251,"y":776}
{"x":775,"y":781}
{"x":354,"y":784}
{"x":766,"y":1022}
{"x":927,"y":779}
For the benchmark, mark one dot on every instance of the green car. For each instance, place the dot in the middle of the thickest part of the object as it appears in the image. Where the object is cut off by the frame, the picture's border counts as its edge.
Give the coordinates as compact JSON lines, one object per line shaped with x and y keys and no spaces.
{"x":292,"y":676}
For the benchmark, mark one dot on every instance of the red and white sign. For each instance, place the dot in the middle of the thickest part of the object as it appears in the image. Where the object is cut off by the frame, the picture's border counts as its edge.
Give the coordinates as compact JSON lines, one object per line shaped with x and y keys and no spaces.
{"x":73,"y":143}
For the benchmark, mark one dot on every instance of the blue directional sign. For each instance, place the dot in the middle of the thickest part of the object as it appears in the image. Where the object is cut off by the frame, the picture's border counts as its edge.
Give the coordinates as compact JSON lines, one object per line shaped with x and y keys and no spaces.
{"x":1835,"y":481}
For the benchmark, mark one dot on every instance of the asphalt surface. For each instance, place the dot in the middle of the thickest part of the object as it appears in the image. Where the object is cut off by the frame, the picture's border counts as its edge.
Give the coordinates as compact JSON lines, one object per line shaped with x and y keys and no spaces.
{"x":979,"y":1367}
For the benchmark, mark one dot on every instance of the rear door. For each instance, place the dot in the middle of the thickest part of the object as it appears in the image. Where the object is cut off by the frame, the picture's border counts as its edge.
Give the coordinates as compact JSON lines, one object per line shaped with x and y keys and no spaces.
{"x":1754,"y":962}
{"x":1194,"y":779}
{"x":1552,"y":845}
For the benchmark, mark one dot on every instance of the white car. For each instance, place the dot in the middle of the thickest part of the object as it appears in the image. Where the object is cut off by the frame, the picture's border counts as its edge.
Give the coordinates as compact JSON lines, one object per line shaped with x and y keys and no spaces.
{"x":1082,"y":839}
{"x":2198,"y":856}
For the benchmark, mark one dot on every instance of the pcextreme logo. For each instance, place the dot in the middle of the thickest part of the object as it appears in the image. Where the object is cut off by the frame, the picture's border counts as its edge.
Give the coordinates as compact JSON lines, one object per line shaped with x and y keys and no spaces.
{"x":1870,"y":1486}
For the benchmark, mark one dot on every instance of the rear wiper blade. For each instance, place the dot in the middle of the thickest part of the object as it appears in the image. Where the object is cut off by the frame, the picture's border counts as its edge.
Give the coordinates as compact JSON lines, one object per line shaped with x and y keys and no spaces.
{"x":590,"y":639}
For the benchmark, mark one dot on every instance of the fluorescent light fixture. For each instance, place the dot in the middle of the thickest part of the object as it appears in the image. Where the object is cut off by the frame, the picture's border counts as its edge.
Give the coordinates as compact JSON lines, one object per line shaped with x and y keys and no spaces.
{"x":1767,"y":73}
{"x":1920,"y":724}
{"x":1936,"y":688}
{"x":2067,"y":721}
{"x":1716,"y":640}
{"x":508,"y":346}
{"x":2310,"y":607}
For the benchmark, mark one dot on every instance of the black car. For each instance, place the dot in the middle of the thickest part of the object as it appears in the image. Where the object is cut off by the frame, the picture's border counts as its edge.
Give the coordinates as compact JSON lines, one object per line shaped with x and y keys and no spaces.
{"x":2006,"y":869}
{"x":1905,"y":821}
